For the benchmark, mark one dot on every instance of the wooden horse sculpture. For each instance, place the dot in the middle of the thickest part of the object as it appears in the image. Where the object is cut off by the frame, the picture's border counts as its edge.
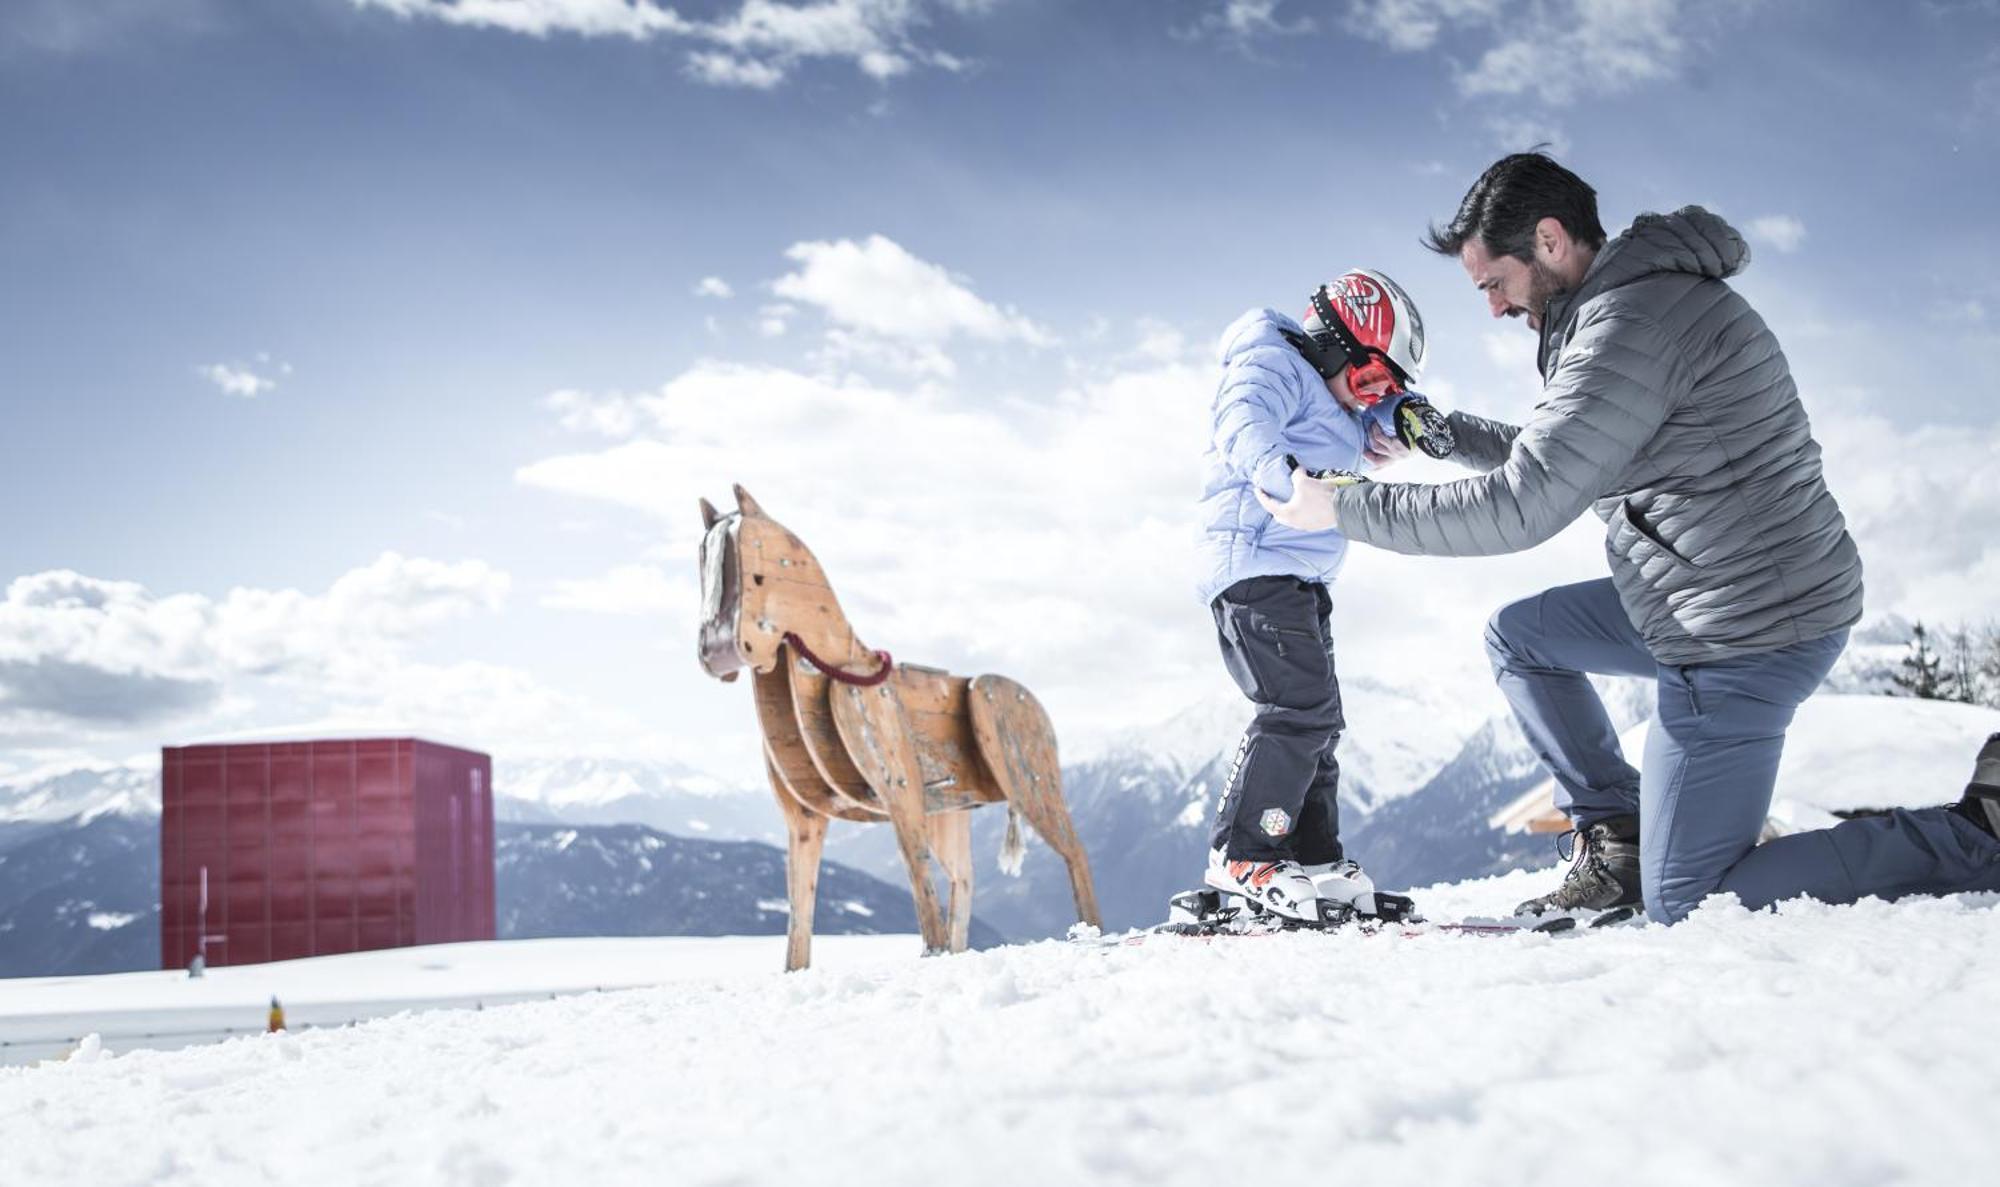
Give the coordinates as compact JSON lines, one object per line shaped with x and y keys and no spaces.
{"x":850,"y":735}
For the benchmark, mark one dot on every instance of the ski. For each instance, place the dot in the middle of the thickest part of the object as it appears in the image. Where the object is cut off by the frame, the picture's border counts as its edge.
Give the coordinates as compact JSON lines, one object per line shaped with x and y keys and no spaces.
{"x":1209,"y":914}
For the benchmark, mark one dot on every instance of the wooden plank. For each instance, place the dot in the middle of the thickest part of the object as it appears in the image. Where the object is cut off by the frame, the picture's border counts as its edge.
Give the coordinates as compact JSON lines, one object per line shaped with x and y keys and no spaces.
{"x":1019,"y":745}
{"x":805,"y":839}
{"x":813,"y":714}
{"x":877,"y":733}
{"x":951,"y":844}
{"x":787,"y":751}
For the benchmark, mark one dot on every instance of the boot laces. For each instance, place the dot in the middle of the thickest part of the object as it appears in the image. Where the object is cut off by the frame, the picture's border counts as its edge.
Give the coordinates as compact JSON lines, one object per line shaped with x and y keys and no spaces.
{"x":1574,"y":847}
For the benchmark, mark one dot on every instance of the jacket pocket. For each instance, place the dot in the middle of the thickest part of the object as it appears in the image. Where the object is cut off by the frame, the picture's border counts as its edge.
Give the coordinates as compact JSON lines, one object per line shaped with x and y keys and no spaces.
{"x":1629,"y":529}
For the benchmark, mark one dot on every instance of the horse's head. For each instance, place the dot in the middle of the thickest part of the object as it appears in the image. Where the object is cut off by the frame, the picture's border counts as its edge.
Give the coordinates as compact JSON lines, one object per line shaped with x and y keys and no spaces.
{"x":755,"y":577}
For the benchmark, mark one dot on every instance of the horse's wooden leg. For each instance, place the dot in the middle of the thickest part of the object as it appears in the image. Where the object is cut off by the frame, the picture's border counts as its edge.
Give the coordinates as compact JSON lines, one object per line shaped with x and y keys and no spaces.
{"x":872,"y":723}
{"x":951,"y":844}
{"x":1019,"y":745}
{"x":805,"y":836}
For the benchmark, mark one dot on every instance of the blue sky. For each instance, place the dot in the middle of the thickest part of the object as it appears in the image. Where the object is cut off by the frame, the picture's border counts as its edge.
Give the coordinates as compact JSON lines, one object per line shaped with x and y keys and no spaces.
{"x":363,"y":358}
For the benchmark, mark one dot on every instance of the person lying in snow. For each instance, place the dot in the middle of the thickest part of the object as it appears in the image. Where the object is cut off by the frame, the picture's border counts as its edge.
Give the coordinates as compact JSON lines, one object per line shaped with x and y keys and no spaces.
{"x":1326,"y":393}
{"x":1668,"y":409}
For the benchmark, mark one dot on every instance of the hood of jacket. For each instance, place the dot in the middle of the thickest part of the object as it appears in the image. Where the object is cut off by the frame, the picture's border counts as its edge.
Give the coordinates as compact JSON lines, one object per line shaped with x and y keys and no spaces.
{"x":1691,"y":240}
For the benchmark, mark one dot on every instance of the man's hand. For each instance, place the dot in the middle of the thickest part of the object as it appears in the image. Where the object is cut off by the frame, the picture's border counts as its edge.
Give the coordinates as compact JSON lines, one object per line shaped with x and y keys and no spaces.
{"x":1310,"y":509}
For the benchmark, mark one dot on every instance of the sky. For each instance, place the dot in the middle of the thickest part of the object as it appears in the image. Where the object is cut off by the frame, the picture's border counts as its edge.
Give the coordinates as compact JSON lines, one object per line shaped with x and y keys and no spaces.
{"x":363,"y":360}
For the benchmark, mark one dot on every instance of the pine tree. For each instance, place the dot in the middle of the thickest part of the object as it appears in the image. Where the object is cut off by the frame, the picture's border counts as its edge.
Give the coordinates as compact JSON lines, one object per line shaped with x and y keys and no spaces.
{"x":1959,"y":678}
{"x":1922,"y":672}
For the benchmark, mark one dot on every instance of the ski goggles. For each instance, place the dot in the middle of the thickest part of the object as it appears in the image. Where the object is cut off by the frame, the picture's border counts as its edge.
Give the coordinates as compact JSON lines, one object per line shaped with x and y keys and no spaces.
{"x":1373,"y":381}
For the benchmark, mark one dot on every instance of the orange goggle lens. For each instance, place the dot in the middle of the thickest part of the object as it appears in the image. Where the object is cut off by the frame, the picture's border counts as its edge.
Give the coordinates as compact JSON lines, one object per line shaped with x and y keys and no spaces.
{"x":1372,"y":381}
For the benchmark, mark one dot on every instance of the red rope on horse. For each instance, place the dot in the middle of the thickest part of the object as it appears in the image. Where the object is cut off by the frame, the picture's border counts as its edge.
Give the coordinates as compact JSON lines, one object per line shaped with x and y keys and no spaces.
{"x":888,"y":665}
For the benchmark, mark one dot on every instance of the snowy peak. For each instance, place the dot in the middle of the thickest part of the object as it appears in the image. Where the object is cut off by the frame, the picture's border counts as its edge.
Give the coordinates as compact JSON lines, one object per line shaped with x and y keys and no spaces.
{"x":1398,"y":735}
{"x":669,"y":796}
{"x":592,"y":782}
{"x":87,"y":791}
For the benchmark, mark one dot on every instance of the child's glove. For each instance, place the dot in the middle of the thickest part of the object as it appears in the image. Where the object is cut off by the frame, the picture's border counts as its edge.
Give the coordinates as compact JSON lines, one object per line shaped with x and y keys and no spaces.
{"x":1420,"y":425}
{"x":1330,"y":477}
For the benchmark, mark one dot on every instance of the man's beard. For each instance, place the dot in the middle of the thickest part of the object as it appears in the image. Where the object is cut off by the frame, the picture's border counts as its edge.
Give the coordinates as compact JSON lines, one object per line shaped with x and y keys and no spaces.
{"x":1543,"y":286}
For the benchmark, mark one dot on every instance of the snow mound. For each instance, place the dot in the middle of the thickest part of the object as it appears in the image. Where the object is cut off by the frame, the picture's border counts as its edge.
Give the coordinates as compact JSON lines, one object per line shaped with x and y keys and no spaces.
{"x":1814,"y":1045}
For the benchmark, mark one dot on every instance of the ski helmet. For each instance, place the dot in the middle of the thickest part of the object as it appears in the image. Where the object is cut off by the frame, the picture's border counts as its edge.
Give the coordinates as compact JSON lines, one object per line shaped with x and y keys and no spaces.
{"x":1363,"y":323}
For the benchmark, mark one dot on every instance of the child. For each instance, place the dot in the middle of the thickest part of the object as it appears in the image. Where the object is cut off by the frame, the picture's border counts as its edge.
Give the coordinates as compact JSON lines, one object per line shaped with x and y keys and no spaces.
{"x":1328,"y":393}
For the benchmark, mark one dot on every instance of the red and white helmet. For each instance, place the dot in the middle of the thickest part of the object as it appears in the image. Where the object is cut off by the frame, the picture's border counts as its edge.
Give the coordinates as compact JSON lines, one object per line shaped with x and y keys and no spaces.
{"x":1363,"y":318}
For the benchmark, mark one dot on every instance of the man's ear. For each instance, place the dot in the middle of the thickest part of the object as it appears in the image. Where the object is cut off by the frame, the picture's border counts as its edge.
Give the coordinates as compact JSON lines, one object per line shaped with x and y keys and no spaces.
{"x":1552,"y":241}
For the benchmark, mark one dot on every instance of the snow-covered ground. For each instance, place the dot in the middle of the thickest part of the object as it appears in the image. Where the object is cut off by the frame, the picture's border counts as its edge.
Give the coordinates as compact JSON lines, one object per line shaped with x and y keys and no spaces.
{"x":43,"y":1017}
{"x":1815,"y":1045}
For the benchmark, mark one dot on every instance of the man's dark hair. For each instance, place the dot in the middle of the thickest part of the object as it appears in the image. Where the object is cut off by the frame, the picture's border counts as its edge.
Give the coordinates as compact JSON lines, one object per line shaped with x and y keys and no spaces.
{"x":1515,"y":193}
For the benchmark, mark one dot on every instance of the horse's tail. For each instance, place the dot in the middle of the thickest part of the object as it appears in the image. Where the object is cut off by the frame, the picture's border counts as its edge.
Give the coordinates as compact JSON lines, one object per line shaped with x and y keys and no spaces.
{"x":1014,"y":849}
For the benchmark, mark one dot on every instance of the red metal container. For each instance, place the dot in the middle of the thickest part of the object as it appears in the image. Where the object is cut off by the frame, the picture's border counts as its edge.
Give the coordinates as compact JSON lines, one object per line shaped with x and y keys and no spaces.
{"x":320,"y":847}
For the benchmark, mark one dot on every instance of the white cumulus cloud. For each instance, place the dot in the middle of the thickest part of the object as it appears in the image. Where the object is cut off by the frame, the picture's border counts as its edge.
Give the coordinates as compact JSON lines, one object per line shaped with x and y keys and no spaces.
{"x":84,"y":649}
{"x":1244,"y":21}
{"x":714,"y":286}
{"x":1555,"y":51}
{"x":757,"y":44}
{"x":236,"y":379}
{"x":1781,"y":231}
{"x":878,"y":287}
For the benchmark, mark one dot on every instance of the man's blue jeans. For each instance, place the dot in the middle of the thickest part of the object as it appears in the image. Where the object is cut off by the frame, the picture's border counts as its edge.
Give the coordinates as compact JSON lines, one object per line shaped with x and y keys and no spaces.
{"x":1710,"y":765}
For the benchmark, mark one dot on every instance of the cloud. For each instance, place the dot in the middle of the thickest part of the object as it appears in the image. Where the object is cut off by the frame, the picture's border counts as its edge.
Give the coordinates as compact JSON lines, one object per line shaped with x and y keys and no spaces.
{"x":714,"y":286}
{"x":99,"y":652}
{"x":1411,"y":25}
{"x":631,"y":590}
{"x":774,"y":321}
{"x":1513,"y":133}
{"x":1243,"y":21}
{"x":67,"y":28}
{"x":607,"y":416}
{"x":877,"y":287}
{"x":1051,"y":539}
{"x":1921,"y":504}
{"x":757,"y":45}
{"x":727,"y":70}
{"x":1962,"y":311}
{"x":1781,"y":231}
{"x":1555,"y":51}
{"x":65,"y":688}
{"x":235,"y":379}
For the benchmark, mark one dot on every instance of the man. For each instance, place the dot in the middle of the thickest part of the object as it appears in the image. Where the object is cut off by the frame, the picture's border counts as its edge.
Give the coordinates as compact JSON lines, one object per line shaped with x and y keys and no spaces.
{"x":1669,"y":409}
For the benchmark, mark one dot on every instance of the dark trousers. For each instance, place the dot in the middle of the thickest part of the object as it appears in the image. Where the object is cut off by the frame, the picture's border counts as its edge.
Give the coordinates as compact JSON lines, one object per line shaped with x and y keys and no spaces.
{"x":1277,"y":642}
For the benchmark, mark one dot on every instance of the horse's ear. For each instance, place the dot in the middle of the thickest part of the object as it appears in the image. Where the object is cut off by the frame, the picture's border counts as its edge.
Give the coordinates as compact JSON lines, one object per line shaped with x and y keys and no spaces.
{"x":708,"y":515}
{"x":745,"y":503}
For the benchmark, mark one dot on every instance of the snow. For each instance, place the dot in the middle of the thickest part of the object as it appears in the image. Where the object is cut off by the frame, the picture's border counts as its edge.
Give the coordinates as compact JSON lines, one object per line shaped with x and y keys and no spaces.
{"x":334,"y":990}
{"x":1814,"y":1045}
{"x":580,"y":783}
{"x":88,"y":791}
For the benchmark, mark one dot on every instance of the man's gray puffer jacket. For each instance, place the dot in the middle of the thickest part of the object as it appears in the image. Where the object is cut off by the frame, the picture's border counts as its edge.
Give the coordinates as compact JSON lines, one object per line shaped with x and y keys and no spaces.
{"x":1667,"y":406}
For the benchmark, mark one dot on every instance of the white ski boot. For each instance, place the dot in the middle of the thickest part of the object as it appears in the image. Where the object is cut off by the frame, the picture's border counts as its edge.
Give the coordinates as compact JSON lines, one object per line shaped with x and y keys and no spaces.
{"x":1279,"y":887}
{"x":1344,"y":881}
